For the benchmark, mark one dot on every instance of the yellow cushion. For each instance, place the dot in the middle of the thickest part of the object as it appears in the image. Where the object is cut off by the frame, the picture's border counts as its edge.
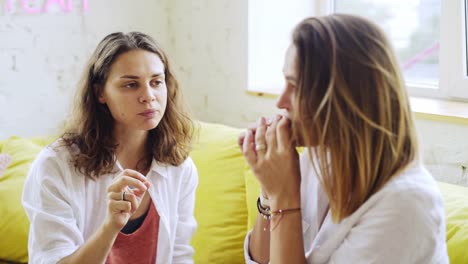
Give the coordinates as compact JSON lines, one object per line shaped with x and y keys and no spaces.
{"x":252,"y":186}
{"x":22,"y":151}
{"x":456,"y":209}
{"x":220,"y":207}
{"x":14,"y":224}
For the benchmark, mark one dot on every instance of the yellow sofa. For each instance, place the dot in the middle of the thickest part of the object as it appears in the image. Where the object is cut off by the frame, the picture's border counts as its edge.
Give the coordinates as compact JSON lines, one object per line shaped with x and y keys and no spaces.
{"x":225,"y":205}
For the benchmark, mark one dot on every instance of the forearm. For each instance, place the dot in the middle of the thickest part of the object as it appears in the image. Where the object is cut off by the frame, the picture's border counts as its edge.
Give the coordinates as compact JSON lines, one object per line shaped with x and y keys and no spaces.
{"x":259,"y":245}
{"x":96,"y":249}
{"x":287,"y":243}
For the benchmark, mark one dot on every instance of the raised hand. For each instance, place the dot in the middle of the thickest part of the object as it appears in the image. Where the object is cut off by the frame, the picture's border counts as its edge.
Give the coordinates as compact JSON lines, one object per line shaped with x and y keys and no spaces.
{"x":124,"y":196}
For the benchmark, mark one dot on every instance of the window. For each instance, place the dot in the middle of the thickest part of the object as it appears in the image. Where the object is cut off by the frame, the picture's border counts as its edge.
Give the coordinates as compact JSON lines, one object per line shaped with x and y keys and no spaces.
{"x":428,"y":36}
{"x":270,"y":24}
{"x":413,"y":28}
{"x":454,"y":82}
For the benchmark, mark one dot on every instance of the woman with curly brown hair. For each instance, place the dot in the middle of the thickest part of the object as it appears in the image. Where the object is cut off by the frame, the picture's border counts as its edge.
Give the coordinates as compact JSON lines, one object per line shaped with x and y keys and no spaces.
{"x":359,"y":193}
{"x":118,"y":186}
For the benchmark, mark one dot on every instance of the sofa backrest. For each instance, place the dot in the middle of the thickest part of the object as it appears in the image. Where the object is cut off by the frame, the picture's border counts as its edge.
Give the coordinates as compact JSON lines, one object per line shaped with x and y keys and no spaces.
{"x":220,"y":208}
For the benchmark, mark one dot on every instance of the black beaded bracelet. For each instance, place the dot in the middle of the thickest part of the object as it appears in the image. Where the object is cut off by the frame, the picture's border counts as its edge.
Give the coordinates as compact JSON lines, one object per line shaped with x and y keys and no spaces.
{"x":264,"y":211}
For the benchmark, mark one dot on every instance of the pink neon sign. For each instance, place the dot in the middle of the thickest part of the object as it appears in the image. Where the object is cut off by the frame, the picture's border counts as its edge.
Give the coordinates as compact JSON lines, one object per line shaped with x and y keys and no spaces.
{"x":65,"y":6}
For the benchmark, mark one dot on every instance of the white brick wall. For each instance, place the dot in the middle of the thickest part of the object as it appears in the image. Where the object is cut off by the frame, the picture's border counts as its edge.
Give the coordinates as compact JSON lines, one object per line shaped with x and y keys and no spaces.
{"x":42,"y":55}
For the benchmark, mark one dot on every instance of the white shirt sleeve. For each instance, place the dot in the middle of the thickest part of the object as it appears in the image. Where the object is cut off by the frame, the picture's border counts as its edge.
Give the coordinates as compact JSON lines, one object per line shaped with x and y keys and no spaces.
{"x":186,"y":225}
{"x":248,"y":259}
{"x":400,"y":230}
{"x":54,"y":233}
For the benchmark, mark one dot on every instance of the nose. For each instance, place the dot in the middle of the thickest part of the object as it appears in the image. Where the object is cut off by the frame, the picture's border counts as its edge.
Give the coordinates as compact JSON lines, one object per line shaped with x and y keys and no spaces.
{"x":147,"y":95}
{"x":284,"y":101}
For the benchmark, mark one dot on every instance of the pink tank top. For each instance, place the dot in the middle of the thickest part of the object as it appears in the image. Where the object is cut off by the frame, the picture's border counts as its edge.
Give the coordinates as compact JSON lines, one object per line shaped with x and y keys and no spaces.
{"x":139,"y":247}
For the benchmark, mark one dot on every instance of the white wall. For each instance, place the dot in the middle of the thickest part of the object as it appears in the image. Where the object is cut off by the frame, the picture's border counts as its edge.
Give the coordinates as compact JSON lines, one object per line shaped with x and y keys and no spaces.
{"x":209,"y":45}
{"x":445,"y":149}
{"x":42,"y":55}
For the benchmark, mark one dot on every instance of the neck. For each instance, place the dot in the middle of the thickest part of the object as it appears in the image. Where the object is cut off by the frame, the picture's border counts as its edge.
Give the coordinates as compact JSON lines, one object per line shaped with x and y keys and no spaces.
{"x":131,"y":147}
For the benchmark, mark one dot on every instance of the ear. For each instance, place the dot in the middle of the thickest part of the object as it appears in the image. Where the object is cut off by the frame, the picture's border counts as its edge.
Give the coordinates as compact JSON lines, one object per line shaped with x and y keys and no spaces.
{"x":99,"y":93}
{"x":101,"y":99}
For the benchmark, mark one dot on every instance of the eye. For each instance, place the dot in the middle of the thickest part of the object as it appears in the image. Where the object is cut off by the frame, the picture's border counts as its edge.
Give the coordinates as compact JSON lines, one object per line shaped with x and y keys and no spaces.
{"x":290,"y":85}
{"x":156,"y":82}
{"x":131,"y":85}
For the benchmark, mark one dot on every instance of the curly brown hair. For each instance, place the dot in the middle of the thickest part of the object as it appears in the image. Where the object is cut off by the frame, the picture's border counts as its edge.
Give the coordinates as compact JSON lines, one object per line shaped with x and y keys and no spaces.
{"x":91,"y":125}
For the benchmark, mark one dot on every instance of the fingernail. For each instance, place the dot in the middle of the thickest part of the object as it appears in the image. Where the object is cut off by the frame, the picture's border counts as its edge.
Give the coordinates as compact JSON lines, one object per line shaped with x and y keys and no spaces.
{"x":259,"y":121}
{"x":278,"y":117}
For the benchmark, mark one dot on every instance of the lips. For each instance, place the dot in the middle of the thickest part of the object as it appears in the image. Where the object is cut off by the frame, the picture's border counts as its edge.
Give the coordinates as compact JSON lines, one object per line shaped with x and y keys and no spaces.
{"x":150,"y":113}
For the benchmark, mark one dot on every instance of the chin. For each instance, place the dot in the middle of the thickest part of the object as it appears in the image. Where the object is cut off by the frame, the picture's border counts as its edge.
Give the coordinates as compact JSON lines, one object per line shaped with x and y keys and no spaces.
{"x":150,"y":125}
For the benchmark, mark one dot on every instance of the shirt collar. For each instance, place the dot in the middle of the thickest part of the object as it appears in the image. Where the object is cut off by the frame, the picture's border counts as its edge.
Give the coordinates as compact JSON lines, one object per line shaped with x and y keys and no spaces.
{"x":159,"y":168}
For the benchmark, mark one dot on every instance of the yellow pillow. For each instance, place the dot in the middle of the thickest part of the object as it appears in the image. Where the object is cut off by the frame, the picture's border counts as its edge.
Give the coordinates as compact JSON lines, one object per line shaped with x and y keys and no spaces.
{"x":220,"y":207}
{"x":456,"y":210}
{"x":22,"y":151}
{"x":14,"y":225}
{"x":252,"y":186}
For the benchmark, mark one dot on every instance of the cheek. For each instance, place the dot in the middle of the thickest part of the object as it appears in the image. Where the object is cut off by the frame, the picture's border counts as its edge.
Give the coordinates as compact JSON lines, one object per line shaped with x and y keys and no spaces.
{"x":162,"y":98}
{"x":116,"y":109}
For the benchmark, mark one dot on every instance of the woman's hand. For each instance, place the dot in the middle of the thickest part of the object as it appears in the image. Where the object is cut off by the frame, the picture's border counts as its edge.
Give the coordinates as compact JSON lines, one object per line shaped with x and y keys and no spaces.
{"x":121,"y":207}
{"x":271,"y":154}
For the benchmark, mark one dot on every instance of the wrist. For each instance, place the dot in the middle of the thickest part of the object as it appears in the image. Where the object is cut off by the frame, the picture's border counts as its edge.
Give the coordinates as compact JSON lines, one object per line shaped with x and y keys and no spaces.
{"x":109,"y":229}
{"x":285,"y":202}
{"x":264,"y":201}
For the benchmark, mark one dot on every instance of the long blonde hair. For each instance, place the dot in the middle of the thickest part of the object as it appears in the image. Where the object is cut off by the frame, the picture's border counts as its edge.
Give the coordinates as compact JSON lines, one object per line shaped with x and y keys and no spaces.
{"x":353,"y":107}
{"x":91,"y":125}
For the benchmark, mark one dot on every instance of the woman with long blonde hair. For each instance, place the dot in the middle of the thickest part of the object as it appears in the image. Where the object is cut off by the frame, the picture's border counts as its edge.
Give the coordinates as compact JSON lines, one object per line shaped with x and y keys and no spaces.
{"x":118,"y":186}
{"x":358,"y":193}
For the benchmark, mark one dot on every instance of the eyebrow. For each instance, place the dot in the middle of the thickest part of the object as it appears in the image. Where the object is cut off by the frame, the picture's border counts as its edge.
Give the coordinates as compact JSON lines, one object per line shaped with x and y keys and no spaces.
{"x":134,"y":77}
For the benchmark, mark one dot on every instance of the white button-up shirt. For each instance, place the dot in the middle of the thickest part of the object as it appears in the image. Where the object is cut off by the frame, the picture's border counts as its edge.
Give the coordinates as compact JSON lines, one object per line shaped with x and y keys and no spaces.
{"x":404,"y":222}
{"x":65,"y":208}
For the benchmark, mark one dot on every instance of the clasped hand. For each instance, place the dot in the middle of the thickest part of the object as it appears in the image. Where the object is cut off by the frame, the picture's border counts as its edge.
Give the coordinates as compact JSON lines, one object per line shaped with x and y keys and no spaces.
{"x":270,"y":151}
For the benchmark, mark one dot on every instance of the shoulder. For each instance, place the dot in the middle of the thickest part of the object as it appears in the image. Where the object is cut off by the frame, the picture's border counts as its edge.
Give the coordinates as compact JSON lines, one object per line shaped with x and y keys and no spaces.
{"x":408,"y":212}
{"x":51,"y":155}
{"x":52,"y":160}
{"x":189,"y":170}
{"x":51,"y":170}
{"x":414,"y":188}
{"x":412,"y":200}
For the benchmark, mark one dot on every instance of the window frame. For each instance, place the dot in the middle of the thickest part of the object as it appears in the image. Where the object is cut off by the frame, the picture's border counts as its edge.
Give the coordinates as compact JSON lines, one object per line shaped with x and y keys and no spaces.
{"x":453,"y":67}
{"x":453,"y":70}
